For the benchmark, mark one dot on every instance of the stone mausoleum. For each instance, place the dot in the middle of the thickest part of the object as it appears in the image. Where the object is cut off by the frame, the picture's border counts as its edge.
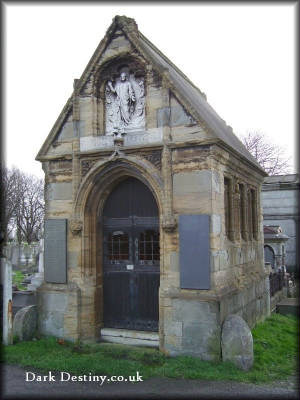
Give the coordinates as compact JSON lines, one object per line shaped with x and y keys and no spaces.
{"x":280,"y":202}
{"x":153,"y":228}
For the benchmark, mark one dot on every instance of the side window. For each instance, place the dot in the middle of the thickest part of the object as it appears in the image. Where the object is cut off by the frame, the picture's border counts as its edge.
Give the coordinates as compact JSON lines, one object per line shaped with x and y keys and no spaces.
{"x":242,"y":212}
{"x":227,"y":207}
{"x":252,"y":214}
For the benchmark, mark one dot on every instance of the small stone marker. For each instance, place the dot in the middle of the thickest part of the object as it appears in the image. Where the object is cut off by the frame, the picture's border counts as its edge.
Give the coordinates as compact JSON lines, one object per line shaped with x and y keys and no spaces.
{"x":25,"y":323}
{"x":237,"y":342}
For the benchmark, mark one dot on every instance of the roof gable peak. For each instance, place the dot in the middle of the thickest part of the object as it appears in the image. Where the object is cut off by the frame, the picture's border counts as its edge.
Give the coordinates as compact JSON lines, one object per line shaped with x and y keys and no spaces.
{"x":188,"y":94}
{"x":123,"y":22}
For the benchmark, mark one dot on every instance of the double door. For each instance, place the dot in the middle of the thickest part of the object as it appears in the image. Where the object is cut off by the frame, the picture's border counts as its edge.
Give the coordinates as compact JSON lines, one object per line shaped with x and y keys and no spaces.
{"x":131,"y":272}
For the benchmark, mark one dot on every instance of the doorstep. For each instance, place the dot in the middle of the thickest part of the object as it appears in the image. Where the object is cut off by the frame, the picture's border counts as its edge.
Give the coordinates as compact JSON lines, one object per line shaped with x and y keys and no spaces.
{"x":126,"y":336}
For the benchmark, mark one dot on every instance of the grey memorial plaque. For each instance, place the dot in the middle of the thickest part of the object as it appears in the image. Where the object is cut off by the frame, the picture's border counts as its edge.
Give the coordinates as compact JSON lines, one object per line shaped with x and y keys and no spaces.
{"x":55,"y":255}
{"x":194,"y":258}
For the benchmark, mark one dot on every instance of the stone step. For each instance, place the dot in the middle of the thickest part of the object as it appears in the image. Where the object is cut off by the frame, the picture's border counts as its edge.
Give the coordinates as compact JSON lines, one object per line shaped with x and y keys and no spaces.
{"x":130,"y":337}
{"x":288,"y":306}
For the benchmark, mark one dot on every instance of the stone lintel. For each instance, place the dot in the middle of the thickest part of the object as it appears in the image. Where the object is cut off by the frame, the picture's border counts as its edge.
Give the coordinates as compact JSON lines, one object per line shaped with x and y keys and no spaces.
{"x":127,"y":150}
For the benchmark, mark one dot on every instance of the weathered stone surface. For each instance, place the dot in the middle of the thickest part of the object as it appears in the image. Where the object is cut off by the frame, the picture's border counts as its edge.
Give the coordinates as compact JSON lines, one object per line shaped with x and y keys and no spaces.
{"x":179,"y":116}
{"x":99,"y":142}
{"x":202,"y":339}
{"x":184,"y":165}
{"x":59,"y":191}
{"x":67,"y":131}
{"x":25,"y":323}
{"x":192,"y":328}
{"x":58,"y":310}
{"x":52,"y":307}
{"x":216,"y":224}
{"x":174,"y":261}
{"x":192,"y":182}
{"x":237,"y":342}
{"x":192,"y":191}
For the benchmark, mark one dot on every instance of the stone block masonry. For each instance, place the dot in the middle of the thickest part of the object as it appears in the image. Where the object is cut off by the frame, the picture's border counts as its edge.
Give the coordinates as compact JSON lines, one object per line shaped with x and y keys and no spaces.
{"x":136,"y":117}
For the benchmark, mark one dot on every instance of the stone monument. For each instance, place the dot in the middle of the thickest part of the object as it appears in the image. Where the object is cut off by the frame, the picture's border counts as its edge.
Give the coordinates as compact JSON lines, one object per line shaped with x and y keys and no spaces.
{"x":150,"y":196}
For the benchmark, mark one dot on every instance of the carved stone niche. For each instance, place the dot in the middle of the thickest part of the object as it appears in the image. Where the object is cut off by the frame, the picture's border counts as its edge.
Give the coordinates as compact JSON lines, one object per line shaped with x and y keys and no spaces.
{"x":122,"y":90}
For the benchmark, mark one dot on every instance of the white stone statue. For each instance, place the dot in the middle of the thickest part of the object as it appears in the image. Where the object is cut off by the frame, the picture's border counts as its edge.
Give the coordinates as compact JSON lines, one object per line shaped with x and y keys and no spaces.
{"x":125,"y":105}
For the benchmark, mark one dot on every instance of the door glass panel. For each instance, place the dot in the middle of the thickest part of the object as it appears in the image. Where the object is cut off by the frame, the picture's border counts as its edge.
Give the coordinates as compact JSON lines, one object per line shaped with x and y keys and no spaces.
{"x":148,"y":247}
{"x":118,"y":247}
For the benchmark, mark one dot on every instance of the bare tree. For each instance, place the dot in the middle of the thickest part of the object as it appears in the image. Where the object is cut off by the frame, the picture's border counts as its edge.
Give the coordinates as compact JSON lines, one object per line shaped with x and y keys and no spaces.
{"x":12,"y":187}
{"x":271,"y":157}
{"x":23,"y":205}
{"x":31,"y":209}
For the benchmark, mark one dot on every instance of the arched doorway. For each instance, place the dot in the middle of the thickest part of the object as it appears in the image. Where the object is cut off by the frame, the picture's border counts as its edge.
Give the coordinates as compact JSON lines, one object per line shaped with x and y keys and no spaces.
{"x":269,"y":255}
{"x":130,"y":257}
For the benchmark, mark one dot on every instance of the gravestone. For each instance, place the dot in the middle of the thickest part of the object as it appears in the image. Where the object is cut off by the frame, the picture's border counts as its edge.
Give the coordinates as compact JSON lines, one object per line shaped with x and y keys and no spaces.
{"x":15,"y":255}
{"x":21,"y":299}
{"x":38,"y":278}
{"x":25,"y":323}
{"x":237,"y":342}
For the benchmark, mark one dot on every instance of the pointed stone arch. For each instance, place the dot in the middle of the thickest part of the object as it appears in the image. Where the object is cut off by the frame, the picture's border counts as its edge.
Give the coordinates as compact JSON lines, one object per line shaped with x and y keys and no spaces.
{"x":92,"y":194}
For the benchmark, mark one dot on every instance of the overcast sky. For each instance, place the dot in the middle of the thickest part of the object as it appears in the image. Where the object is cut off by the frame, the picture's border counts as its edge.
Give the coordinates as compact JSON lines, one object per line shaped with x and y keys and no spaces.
{"x":241,"y":56}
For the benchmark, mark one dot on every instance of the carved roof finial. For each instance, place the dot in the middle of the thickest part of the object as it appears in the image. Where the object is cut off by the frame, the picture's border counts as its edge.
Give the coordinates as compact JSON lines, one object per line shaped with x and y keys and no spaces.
{"x":124,"y":22}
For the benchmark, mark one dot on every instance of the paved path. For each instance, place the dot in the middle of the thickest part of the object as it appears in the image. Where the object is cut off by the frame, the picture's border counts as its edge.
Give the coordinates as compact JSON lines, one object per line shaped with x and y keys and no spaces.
{"x":14,"y":386}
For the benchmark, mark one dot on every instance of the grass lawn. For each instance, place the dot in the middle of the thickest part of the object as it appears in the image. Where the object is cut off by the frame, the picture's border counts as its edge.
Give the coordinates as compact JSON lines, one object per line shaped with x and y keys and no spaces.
{"x":17,"y":280}
{"x":275,"y":352}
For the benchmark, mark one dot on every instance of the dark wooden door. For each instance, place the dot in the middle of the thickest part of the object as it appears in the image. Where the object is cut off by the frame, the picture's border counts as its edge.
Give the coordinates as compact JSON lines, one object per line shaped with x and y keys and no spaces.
{"x":131,"y":257}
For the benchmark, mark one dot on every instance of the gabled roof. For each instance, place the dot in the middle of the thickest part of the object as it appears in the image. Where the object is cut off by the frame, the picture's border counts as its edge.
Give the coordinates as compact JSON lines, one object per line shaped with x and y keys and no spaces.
{"x":274,"y":232}
{"x":188,"y":94}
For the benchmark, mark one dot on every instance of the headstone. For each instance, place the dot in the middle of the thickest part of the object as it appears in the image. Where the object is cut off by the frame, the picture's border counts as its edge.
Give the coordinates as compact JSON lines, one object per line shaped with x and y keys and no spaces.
{"x":25,"y":323}
{"x":38,"y":278}
{"x":22,"y":256}
{"x":8,"y":252}
{"x":22,"y":298}
{"x":15,"y":255}
{"x":237,"y":342}
{"x":27,"y":249}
